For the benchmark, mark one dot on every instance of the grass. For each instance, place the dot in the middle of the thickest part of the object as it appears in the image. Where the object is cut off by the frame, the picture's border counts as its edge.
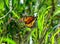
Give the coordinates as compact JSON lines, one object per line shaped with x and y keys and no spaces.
{"x":46,"y":30}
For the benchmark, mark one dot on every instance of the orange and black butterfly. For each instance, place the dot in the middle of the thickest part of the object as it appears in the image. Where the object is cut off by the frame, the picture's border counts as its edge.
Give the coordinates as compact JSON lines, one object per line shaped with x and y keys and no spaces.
{"x":28,"y":20}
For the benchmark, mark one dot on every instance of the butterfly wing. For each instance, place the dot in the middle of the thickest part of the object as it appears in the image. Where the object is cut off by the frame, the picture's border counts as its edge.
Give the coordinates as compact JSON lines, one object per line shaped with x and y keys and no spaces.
{"x":30,"y":24}
{"x":29,"y":20}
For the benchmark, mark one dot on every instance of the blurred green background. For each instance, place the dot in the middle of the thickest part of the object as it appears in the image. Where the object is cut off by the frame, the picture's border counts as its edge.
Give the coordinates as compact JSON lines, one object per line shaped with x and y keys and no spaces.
{"x":47,"y":25}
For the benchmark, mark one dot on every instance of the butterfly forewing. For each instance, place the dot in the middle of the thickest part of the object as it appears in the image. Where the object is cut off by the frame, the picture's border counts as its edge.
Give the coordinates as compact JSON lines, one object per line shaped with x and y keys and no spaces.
{"x":29,"y":19}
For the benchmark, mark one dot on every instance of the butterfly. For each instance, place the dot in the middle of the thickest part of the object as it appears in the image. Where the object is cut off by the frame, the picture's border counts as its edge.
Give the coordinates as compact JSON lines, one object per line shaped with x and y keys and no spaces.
{"x":28,"y":20}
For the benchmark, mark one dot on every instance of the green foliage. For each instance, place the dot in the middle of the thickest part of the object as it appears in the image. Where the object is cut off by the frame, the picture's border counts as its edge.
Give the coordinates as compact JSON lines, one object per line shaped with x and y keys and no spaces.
{"x":10,"y":41}
{"x":46,"y":29}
